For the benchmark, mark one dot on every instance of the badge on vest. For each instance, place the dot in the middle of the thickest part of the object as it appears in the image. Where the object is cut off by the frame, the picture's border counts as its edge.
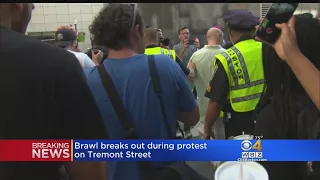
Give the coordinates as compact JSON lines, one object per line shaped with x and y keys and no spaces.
{"x":209,"y":88}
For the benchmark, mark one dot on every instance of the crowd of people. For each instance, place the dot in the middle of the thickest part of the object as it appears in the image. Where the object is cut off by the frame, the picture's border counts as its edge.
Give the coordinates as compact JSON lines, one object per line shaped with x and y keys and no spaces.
{"x":223,"y":89}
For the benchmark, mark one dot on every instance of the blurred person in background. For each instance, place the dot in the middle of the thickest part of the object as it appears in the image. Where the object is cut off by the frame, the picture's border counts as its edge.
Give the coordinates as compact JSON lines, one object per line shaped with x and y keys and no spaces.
{"x":201,"y":71}
{"x":65,"y":37}
{"x":163,"y":42}
{"x":225,"y":44}
{"x":223,"y":41}
{"x":94,"y":50}
{"x":120,"y":28}
{"x":185,"y":51}
{"x":286,"y":111}
{"x":236,"y":86}
{"x":93,"y":53}
{"x":152,"y":39}
{"x":44,"y":95}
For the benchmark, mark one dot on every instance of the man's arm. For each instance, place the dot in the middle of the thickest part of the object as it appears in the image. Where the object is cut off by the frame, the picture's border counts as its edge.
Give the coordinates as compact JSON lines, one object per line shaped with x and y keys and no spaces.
{"x":307,"y":74}
{"x":80,"y":118}
{"x":183,"y":68}
{"x":188,"y":110}
{"x":192,"y":67}
{"x":217,"y":92}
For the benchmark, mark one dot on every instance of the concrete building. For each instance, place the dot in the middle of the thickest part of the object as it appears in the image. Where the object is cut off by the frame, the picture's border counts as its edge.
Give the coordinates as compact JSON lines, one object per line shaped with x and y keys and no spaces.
{"x":46,"y":17}
{"x":198,"y":17}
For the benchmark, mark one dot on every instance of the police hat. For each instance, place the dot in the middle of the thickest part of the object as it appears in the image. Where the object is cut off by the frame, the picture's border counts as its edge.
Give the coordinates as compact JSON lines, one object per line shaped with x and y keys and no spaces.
{"x":241,"y":19}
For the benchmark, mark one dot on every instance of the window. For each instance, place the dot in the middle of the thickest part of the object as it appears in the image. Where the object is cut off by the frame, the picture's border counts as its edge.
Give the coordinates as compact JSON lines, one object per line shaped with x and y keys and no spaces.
{"x":43,"y":36}
{"x":264,"y":7}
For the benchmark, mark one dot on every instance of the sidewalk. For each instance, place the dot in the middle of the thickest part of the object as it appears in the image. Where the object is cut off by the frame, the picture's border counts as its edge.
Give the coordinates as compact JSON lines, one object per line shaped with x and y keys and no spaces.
{"x":204,"y":168}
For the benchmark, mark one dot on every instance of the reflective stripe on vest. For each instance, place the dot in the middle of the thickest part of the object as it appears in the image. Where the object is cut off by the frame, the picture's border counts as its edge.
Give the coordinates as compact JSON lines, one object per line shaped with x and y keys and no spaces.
{"x":244,"y":68}
{"x":158,"y":50}
{"x":246,"y":98}
{"x":243,"y":72}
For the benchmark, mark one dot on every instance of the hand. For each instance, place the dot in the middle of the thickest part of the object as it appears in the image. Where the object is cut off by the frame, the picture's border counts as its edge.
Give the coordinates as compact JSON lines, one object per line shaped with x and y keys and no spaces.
{"x":286,"y":45}
{"x":97,"y":58}
{"x":185,"y":44}
{"x":208,"y":136}
{"x":197,"y":43}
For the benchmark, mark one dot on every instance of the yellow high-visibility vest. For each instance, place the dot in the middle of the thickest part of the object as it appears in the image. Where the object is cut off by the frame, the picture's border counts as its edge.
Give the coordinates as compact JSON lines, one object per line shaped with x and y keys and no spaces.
{"x":159,"y":50}
{"x":244,"y":68}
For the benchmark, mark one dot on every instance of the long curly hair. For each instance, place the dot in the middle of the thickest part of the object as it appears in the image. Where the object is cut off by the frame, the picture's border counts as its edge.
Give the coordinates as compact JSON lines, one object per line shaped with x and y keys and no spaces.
{"x":112,"y":26}
{"x":282,"y":84}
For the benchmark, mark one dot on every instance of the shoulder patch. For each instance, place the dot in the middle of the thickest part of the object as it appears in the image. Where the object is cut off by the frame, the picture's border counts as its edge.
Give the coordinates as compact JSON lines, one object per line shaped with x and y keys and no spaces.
{"x":209,"y":88}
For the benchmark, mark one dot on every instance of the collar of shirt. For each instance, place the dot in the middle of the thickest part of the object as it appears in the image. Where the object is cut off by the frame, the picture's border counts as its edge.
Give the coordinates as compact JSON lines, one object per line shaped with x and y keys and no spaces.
{"x":212,"y":47}
{"x":244,"y":39}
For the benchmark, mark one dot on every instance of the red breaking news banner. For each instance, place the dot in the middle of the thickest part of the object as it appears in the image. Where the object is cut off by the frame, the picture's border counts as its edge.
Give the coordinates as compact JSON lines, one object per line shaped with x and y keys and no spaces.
{"x":35,"y":150}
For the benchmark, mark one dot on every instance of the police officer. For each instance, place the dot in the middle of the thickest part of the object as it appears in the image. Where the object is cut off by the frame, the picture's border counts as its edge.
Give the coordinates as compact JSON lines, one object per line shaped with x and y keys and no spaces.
{"x":238,"y":81}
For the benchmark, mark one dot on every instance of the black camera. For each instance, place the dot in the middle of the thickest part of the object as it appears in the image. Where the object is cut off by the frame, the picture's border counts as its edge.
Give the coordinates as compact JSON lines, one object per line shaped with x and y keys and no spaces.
{"x":165,"y":41}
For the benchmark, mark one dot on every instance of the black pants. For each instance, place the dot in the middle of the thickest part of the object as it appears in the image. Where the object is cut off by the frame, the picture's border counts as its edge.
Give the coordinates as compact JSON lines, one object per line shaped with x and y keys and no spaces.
{"x":239,"y":122}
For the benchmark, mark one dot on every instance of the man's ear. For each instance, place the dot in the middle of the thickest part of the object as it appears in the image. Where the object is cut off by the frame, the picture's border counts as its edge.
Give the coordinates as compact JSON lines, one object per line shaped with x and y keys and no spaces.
{"x":137,"y":33}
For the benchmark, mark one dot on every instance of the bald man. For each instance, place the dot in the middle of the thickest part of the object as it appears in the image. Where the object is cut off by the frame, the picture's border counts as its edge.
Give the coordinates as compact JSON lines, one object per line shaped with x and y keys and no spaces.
{"x":38,"y":83}
{"x":201,"y":72}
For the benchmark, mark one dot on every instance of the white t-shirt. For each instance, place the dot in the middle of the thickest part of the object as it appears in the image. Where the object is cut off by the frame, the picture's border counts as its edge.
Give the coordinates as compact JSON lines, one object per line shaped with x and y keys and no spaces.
{"x":84,"y":59}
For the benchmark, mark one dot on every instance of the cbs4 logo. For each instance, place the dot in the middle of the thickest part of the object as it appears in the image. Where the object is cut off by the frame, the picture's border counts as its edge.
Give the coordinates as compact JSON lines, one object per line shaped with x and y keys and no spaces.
{"x":246,"y":145}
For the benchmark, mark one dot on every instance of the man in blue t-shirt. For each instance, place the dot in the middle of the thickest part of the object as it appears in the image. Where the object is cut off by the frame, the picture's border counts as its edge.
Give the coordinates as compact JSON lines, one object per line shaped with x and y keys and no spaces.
{"x":119,"y":27}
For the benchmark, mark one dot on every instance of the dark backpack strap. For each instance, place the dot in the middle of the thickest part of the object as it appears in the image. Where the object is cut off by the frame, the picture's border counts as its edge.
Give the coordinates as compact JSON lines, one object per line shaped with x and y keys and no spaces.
{"x":116,"y":102}
{"x":158,"y":90}
{"x":130,"y":132}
